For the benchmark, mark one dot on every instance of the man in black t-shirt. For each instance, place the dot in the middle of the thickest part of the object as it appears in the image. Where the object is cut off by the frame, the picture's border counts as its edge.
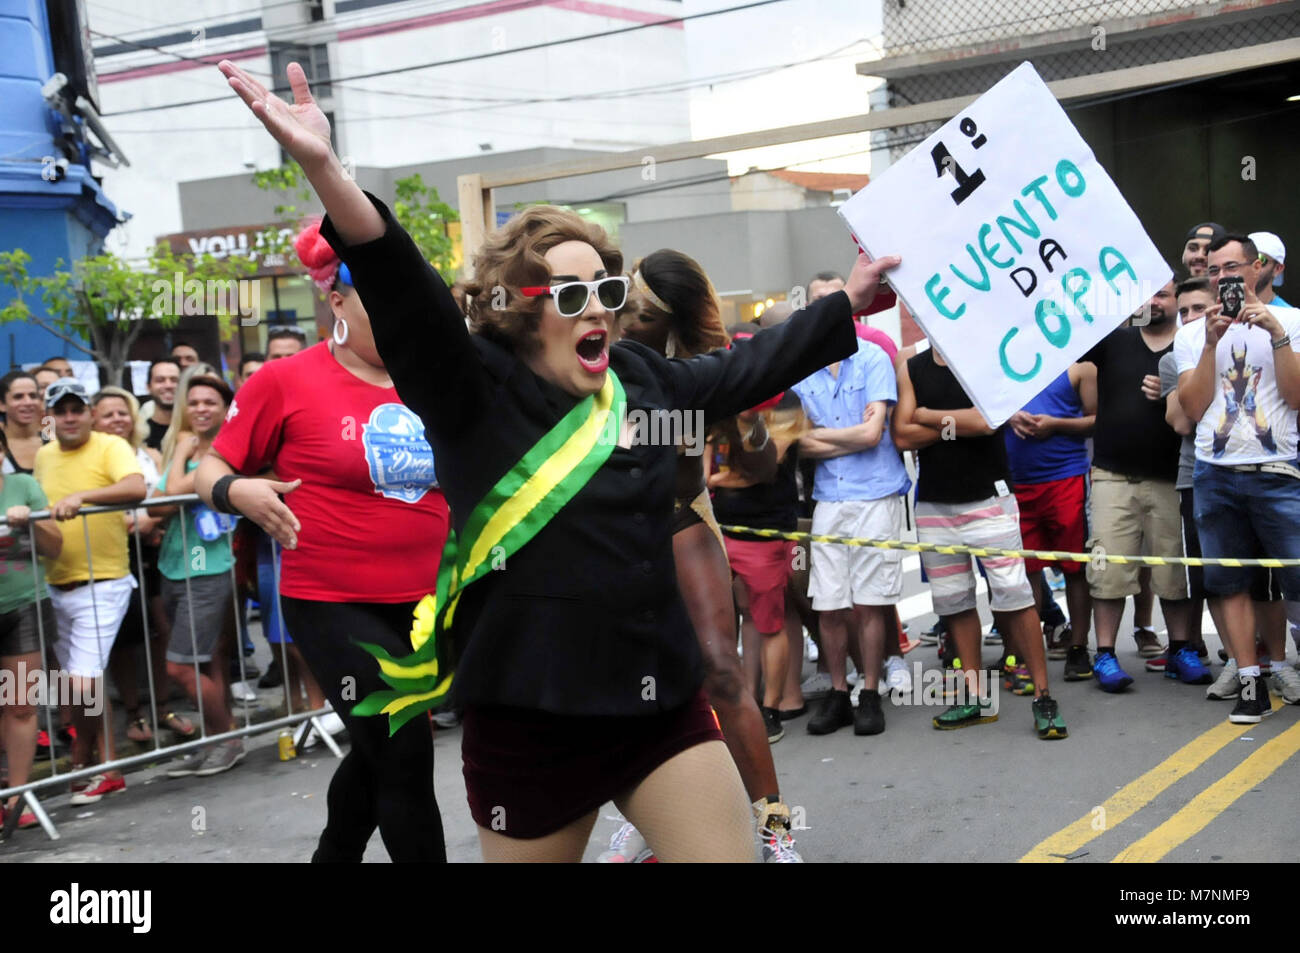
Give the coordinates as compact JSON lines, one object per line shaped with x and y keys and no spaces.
{"x":964,"y":497}
{"x":1134,"y":503}
{"x":164,"y":378}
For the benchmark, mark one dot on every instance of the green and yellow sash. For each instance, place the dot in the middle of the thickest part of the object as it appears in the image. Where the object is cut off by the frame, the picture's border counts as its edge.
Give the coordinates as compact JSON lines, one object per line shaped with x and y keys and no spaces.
{"x":513,"y":512}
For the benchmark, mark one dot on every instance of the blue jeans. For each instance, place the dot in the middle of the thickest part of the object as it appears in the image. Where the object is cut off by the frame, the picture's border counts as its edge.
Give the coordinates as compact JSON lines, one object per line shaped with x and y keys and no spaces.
{"x":1247,"y":515}
{"x":272,"y":626}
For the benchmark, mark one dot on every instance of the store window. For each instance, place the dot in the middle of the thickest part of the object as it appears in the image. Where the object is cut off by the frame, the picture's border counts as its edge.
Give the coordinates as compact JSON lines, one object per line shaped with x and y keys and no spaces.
{"x":286,"y":300}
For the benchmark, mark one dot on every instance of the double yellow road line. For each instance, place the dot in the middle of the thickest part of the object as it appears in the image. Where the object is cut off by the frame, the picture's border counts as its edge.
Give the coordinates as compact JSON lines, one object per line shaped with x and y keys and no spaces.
{"x":1188,"y":821}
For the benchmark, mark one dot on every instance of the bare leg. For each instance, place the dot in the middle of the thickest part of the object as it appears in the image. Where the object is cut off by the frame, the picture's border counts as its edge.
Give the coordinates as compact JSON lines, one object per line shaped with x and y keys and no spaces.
{"x":18,"y":725}
{"x":1270,"y":618}
{"x":964,"y":629}
{"x":1238,"y":630}
{"x":704,"y":580}
{"x":1144,"y":602}
{"x":835,"y":642}
{"x":1027,"y":633}
{"x":750,"y":641}
{"x":792,"y":696}
{"x":1178,"y":618}
{"x":776,"y":659}
{"x":1078,"y":598}
{"x":1107,"y":613}
{"x":869,"y":624}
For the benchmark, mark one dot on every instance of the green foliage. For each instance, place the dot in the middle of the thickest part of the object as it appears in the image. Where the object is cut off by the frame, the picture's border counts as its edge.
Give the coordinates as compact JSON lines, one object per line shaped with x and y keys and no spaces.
{"x":104,"y":300}
{"x":417,"y":209}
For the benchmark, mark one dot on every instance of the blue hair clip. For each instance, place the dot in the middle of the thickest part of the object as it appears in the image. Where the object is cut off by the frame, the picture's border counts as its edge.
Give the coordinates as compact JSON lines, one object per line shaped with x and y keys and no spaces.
{"x":345,"y":275}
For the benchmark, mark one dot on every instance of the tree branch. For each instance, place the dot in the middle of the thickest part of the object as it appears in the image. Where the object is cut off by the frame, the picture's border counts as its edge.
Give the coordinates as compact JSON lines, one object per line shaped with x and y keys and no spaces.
{"x":40,"y":323}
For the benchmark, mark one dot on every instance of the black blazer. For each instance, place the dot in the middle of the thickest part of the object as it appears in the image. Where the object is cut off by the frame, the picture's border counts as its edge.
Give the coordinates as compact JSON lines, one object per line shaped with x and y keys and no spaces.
{"x":586,"y":618}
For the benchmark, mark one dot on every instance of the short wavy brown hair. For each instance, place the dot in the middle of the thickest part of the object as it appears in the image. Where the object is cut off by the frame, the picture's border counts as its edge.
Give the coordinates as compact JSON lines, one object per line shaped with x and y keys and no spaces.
{"x":512,"y":258}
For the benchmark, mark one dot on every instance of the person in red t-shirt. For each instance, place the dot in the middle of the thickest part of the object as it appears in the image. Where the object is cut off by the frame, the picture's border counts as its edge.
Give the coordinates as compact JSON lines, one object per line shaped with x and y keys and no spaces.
{"x":362,"y":532}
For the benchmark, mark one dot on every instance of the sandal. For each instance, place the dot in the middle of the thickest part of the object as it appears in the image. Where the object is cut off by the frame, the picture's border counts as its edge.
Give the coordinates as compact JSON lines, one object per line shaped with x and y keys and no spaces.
{"x":138,"y":730}
{"x":179,"y":725}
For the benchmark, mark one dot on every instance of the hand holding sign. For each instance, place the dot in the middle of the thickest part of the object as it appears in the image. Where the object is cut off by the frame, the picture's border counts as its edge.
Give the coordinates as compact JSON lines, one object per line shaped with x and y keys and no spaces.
{"x":1018,"y":251}
{"x":864,"y":279}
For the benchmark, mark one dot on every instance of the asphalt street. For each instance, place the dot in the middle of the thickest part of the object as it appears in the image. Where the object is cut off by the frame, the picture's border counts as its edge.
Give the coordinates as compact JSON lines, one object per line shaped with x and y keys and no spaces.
{"x":1153,"y":774}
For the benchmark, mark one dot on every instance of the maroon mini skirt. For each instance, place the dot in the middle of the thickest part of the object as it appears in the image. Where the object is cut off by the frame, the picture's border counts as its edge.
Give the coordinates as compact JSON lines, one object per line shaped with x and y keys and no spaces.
{"x":531,"y":773}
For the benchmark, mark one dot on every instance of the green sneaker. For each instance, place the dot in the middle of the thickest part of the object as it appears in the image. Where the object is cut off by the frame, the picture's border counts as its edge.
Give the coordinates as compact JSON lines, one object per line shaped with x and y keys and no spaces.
{"x":963,"y":716}
{"x":1047,"y":718}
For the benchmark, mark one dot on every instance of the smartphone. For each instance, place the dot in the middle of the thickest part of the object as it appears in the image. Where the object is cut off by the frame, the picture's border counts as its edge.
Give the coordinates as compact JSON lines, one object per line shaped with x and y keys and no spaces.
{"x":1232,"y":294}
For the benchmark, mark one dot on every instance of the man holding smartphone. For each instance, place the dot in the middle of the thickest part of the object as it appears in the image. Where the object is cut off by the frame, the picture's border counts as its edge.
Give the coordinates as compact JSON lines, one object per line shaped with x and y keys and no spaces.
{"x":1239,"y":380}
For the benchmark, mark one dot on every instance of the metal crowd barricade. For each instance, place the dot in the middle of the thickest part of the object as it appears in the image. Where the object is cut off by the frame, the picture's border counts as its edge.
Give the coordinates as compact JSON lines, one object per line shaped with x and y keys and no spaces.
{"x":305,"y":721}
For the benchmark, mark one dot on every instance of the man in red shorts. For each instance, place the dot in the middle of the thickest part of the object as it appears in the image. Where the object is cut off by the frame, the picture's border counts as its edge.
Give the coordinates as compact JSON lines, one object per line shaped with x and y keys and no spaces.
{"x":1048,"y":453}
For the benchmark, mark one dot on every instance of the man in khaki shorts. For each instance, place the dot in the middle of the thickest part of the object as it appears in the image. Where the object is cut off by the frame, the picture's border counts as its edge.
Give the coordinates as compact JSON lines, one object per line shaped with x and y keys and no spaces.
{"x":1135,"y":465}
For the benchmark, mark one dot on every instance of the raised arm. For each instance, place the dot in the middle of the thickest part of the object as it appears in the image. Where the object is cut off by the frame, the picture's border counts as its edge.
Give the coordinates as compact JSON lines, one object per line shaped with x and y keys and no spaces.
{"x":724,"y":382}
{"x":304,"y":133}
{"x":419,"y":331}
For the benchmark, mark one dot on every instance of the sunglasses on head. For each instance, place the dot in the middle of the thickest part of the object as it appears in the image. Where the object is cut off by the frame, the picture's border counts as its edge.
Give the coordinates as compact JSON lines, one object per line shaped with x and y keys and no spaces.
{"x":571,"y":297}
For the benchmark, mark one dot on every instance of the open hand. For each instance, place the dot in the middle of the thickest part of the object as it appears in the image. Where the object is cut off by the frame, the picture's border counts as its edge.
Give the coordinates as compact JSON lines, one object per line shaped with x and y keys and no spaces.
{"x":259,"y":500}
{"x":301,"y":129}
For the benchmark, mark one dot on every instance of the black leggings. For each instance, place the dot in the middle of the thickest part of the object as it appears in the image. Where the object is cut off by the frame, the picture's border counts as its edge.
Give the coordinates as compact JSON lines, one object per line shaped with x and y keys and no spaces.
{"x":382,"y":782}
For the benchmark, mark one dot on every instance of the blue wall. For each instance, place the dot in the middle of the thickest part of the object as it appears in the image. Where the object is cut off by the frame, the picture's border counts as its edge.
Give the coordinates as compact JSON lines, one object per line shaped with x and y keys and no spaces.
{"x":51,"y":221}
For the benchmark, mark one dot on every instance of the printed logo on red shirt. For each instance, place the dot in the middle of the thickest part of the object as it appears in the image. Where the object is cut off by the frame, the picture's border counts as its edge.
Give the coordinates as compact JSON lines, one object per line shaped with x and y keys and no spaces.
{"x":401,"y":460}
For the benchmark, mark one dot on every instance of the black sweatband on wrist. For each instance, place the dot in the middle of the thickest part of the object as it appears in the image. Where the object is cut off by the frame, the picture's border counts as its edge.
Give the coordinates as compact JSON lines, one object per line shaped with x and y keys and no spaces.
{"x":221,"y":494}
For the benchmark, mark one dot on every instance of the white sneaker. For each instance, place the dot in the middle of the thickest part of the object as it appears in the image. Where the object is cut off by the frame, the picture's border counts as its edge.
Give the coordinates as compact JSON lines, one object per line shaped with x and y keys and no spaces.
{"x":897,"y":677}
{"x":627,"y":846}
{"x":1227,"y":685}
{"x":817,"y":685}
{"x":810,"y":650}
{"x":332,"y":723}
{"x":777,"y":844}
{"x":1286,"y":682}
{"x":242,"y":692}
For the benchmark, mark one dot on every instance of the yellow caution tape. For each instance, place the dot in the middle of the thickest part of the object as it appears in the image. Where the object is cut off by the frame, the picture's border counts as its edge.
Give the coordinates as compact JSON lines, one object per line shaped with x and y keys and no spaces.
{"x":1098,"y":556}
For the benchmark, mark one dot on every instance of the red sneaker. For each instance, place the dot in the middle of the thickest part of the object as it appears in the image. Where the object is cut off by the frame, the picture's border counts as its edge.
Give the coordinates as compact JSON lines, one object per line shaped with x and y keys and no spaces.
{"x":95,"y":789}
{"x":25,"y":819}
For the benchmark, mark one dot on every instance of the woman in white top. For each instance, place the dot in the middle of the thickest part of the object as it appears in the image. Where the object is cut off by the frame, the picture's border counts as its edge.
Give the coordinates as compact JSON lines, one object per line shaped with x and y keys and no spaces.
{"x":118,"y":412}
{"x":20,"y":400}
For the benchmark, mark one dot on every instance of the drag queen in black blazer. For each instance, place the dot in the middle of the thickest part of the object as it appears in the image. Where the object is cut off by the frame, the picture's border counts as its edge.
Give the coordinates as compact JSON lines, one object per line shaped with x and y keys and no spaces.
{"x":579,"y":673}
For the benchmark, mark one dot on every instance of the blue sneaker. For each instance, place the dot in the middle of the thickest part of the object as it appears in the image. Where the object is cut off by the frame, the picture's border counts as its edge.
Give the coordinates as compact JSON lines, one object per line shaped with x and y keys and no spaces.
{"x":1110,"y":676}
{"x":1186,"y":665}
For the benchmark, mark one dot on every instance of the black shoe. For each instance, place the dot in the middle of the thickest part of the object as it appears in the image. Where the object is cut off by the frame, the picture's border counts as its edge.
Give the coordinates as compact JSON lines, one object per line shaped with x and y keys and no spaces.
{"x":273,"y":678}
{"x":1253,"y":703}
{"x":789,"y":714}
{"x":835,"y":712}
{"x":1078,"y":665}
{"x":869,"y":718}
{"x":772,"y":722}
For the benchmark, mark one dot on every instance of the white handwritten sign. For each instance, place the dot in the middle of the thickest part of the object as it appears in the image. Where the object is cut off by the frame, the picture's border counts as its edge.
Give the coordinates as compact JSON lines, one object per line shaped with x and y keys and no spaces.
{"x":1019,"y":253}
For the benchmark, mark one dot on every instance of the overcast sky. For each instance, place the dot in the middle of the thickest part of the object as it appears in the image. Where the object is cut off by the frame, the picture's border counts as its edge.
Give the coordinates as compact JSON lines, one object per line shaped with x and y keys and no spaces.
{"x":838,"y":34}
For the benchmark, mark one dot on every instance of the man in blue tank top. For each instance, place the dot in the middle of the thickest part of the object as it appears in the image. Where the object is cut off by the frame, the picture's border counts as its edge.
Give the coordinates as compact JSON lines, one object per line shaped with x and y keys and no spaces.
{"x":1047,"y":449}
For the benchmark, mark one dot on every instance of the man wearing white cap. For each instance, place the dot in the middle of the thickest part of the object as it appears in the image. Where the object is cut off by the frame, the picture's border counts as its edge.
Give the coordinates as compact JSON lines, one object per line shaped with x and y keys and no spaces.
{"x":1272,"y":255}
